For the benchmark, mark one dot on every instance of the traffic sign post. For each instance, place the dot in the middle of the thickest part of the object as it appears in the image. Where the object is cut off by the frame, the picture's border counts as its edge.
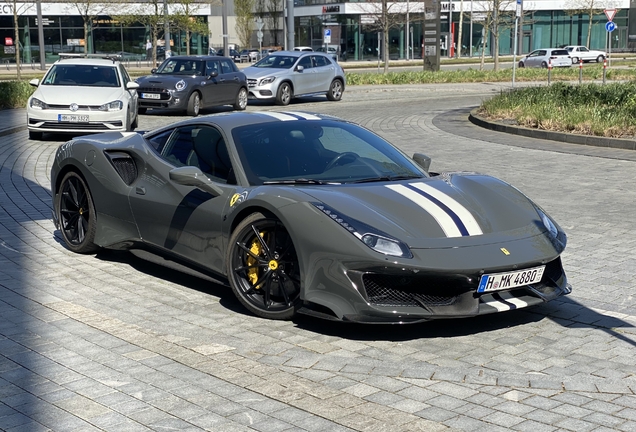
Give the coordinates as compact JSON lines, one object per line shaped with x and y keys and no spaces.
{"x":610,"y":26}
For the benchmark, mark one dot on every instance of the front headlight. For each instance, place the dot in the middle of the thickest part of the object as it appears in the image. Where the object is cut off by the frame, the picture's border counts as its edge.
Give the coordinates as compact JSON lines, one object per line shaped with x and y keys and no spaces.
{"x":373,"y":238}
{"x":112,"y":106}
{"x":267,"y":80}
{"x":547,"y":222}
{"x":181,"y":85}
{"x":37,"y":104}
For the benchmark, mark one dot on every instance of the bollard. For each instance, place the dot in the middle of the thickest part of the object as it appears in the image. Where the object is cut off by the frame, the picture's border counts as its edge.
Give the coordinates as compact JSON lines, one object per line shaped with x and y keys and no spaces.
{"x":549,"y":71}
{"x":580,"y":71}
{"x":604,"y":70}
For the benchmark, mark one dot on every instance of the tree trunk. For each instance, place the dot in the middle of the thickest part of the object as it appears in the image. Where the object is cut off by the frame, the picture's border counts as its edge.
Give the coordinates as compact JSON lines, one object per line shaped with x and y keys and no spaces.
{"x":589,"y":26}
{"x":85,"y":35}
{"x":187,"y":35}
{"x":16,"y":42}
{"x":483,"y":46}
{"x":459,"y":31}
{"x":385,"y":35}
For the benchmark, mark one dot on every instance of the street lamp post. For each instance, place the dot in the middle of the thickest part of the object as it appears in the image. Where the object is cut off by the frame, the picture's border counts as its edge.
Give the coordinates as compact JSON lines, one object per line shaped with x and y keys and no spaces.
{"x":166,"y":29}
{"x":41,"y":35}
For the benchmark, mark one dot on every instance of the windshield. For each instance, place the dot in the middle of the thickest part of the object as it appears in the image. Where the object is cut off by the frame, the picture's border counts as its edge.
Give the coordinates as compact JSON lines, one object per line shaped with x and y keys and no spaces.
{"x":318,"y":152}
{"x":181,"y":67}
{"x":82,"y":75}
{"x":276,"y":62}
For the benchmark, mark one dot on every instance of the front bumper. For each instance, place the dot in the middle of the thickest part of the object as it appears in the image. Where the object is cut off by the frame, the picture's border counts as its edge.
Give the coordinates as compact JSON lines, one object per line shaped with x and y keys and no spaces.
{"x":162,"y":99}
{"x":98,"y":121}
{"x":262,"y":92}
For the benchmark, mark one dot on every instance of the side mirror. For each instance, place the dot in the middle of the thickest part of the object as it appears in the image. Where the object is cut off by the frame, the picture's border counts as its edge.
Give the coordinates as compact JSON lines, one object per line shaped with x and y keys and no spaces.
{"x":153,"y":70}
{"x":423,"y":161}
{"x":299,"y":68}
{"x":214,"y":74}
{"x":34,"y":82}
{"x":131,"y":85}
{"x":193,"y":176}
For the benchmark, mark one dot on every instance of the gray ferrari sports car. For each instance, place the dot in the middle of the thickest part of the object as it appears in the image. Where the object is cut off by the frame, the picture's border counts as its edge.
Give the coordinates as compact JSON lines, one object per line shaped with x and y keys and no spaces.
{"x":307,"y":213}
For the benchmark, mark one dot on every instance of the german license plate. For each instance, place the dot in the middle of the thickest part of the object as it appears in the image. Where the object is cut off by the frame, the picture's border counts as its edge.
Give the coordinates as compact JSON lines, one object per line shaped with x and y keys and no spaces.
{"x":72,"y":118}
{"x":150,"y":96}
{"x":501,"y":281}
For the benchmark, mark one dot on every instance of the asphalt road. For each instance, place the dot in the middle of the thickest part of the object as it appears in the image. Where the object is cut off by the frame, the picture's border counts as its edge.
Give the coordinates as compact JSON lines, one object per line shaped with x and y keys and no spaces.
{"x":111,"y":342}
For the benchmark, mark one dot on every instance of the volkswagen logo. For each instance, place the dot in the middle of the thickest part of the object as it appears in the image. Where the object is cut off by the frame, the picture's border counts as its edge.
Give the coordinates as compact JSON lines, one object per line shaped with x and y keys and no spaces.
{"x":74,"y":107}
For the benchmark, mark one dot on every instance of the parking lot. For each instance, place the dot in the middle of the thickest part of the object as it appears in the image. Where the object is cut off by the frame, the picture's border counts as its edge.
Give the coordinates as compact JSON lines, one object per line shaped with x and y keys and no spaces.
{"x":112,"y":342}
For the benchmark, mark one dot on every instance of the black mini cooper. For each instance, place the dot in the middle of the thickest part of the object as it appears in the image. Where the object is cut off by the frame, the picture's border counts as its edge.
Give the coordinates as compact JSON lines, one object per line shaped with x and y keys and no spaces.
{"x":189,"y":83}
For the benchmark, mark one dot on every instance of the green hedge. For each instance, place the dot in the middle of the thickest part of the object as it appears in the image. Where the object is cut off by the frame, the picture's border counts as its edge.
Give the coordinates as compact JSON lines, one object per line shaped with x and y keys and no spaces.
{"x":14,"y":94}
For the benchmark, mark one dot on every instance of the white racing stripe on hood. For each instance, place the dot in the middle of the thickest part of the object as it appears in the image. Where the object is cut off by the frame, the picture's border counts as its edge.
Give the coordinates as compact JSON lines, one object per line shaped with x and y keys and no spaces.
{"x":279,"y":116}
{"x":303,"y":115}
{"x":445,"y":222}
{"x":462,"y":212}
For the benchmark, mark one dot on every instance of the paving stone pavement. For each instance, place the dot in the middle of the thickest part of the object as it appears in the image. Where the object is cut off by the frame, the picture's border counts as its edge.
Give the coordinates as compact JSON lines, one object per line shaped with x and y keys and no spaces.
{"x":111,"y":342}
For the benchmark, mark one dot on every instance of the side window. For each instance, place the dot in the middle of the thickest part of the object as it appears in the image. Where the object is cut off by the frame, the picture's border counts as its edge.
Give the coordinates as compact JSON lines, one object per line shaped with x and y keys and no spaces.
{"x":157,"y":142}
{"x":211,"y":66}
{"x":542,"y":53}
{"x":305,"y":62}
{"x":211,"y":154}
{"x":179,"y":147}
{"x":124,"y":74}
{"x":226,"y":67}
{"x":321,"y":61}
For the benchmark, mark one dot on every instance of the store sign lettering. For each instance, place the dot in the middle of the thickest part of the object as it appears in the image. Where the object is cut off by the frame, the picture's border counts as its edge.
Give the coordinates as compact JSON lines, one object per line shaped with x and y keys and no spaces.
{"x":331,"y":9}
{"x":6,"y":9}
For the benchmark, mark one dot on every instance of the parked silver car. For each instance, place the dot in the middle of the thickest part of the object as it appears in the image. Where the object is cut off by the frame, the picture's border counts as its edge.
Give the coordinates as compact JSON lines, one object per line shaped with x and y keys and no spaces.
{"x":284,"y":75}
{"x":559,"y":57}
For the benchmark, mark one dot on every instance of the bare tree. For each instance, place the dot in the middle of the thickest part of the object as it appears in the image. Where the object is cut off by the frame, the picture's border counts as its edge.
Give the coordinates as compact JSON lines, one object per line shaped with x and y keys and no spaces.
{"x":18,"y":10}
{"x":89,"y":10}
{"x":184,"y":18}
{"x":499,"y":16}
{"x":274,"y":13}
{"x":589,"y":7}
{"x":149,"y":14}
{"x":244,"y":21}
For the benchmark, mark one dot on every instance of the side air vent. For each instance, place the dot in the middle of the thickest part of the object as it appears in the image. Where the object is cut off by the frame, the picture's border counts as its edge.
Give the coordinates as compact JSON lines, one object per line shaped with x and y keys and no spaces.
{"x":125,"y":166}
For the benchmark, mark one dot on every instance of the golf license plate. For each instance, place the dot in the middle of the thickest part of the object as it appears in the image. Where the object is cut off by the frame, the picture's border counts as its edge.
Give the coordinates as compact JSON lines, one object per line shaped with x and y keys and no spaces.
{"x":501,"y":281}
{"x":150,"y":96}
{"x":72,"y":118}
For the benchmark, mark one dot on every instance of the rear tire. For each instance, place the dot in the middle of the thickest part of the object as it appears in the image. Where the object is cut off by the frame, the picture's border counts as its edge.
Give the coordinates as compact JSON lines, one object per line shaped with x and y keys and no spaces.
{"x":599,"y":59}
{"x":335,"y":90}
{"x":241,"y":100}
{"x":284,"y":94}
{"x":194,"y":104}
{"x":544,"y":65}
{"x":76,"y":214}
{"x":575,"y":60}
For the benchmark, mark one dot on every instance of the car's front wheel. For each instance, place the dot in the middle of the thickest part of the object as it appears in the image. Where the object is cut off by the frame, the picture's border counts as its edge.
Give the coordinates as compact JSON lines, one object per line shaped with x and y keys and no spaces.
{"x":575,"y":60}
{"x":263,"y":269}
{"x":284,"y":94}
{"x":194,"y":104}
{"x":76,"y":214}
{"x":241,"y":100}
{"x":521,"y":64}
{"x":335,"y":90}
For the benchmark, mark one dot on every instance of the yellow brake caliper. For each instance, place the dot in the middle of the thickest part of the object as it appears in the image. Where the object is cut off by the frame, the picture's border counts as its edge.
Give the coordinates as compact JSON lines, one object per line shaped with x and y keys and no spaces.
{"x":252,"y":273}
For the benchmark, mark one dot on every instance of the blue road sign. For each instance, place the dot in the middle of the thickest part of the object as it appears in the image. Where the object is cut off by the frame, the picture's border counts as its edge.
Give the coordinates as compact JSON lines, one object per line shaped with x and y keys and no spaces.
{"x":328,"y":32}
{"x":610,"y":26}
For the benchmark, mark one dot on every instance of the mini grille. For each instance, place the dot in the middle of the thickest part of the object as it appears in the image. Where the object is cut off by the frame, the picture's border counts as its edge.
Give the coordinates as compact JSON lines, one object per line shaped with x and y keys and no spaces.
{"x":152,"y":90}
{"x":125,"y":167}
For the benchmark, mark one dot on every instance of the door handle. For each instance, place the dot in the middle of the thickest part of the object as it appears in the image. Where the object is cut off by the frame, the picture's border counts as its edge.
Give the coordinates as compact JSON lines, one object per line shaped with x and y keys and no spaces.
{"x":140,"y":190}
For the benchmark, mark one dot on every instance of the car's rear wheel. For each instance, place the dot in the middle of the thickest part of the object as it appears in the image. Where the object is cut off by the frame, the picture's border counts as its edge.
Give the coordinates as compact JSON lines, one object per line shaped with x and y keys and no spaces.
{"x":600,"y":59}
{"x":263,"y":269}
{"x":35,"y":135}
{"x":194,"y":104}
{"x":284,"y":94}
{"x":142,"y":110}
{"x":544,"y":65}
{"x":241,"y":100}
{"x":335,"y":90}
{"x":76,"y":214}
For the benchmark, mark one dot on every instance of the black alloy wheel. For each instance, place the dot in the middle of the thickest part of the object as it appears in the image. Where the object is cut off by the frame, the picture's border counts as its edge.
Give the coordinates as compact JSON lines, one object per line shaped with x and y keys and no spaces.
{"x":263,"y":267}
{"x":76,"y":214}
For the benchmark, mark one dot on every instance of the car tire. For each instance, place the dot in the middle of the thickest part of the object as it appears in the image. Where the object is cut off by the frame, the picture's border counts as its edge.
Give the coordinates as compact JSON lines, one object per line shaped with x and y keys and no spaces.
{"x":141,"y":111}
{"x":241,"y":100}
{"x":599,"y":59}
{"x":521,"y":64}
{"x":194,"y":104}
{"x":335,"y":90}
{"x":76,"y":214}
{"x":575,"y":60}
{"x":544,"y":65}
{"x":35,"y":136}
{"x":263,"y":268}
{"x":284,"y":94}
{"x":128,"y":123}
{"x":135,"y":123}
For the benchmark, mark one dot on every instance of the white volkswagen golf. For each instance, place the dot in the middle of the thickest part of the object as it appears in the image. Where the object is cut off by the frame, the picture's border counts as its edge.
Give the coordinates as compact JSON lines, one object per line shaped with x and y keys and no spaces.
{"x":81,"y":94}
